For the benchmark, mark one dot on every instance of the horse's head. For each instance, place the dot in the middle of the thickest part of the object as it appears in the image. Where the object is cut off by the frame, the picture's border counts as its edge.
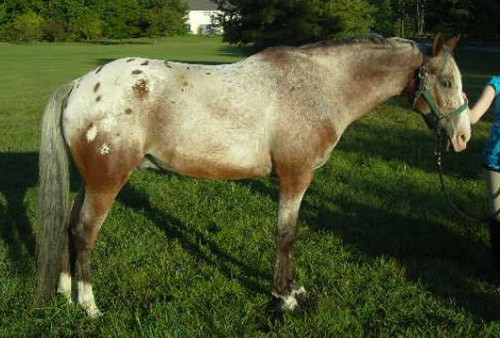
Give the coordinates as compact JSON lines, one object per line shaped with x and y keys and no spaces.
{"x":439,"y":96}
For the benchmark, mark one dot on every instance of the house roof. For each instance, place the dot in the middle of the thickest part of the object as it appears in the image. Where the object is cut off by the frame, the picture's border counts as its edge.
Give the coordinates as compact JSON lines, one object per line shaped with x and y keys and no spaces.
{"x":201,"y":5}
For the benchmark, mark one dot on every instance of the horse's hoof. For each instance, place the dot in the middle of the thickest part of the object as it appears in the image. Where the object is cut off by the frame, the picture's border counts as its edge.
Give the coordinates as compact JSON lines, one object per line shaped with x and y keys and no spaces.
{"x":289,"y":302}
{"x":64,"y":287}
{"x":66,"y":296}
{"x":298,"y":291}
{"x":93,"y":312}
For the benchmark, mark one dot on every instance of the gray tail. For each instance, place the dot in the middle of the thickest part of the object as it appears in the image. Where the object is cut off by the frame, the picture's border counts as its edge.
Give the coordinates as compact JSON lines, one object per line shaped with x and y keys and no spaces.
{"x":53,"y":195}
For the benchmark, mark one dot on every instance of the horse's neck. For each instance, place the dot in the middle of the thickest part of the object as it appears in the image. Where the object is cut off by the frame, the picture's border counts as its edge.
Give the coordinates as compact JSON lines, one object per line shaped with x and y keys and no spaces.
{"x":363,"y":79}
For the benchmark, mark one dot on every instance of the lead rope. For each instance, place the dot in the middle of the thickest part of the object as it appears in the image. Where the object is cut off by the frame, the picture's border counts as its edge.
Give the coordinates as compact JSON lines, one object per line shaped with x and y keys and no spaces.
{"x":466,"y":217}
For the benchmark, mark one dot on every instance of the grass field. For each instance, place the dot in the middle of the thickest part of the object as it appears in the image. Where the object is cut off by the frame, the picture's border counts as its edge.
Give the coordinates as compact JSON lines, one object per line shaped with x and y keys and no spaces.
{"x":378,"y":249}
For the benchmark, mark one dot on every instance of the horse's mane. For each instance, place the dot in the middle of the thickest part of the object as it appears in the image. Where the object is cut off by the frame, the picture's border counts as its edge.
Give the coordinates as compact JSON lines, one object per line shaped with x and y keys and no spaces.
{"x":368,"y":39}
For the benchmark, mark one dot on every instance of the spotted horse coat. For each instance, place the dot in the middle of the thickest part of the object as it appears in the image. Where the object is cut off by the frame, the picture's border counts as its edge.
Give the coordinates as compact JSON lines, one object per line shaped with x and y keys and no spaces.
{"x":282,"y":110}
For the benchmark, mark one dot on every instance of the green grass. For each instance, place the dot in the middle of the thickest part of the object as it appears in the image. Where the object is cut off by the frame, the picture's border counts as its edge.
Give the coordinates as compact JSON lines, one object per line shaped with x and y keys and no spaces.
{"x":378,"y":250}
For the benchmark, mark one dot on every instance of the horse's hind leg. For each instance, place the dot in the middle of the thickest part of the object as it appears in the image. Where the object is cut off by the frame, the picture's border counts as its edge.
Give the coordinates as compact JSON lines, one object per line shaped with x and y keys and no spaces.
{"x":104,"y":174}
{"x":95,"y":207}
{"x":293,"y":184}
{"x":64,"y":286}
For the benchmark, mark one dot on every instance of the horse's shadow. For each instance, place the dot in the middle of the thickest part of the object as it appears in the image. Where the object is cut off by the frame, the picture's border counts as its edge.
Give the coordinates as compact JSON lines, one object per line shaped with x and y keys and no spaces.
{"x":448,"y":263}
{"x":18,"y":175}
{"x":194,"y":241}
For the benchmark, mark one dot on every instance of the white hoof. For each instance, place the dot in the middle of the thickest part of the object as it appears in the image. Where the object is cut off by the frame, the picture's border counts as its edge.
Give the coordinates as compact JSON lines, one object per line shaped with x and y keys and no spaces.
{"x":289,"y":302}
{"x":86,"y":300}
{"x":298,"y":291}
{"x":64,"y":287}
{"x":93,"y":312}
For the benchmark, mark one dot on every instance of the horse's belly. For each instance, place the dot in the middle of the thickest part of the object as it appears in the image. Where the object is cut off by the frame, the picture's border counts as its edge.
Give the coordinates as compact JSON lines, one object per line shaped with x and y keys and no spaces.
{"x":227,"y":165}
{"x":217,"y":160}
{"x":215,"y":170}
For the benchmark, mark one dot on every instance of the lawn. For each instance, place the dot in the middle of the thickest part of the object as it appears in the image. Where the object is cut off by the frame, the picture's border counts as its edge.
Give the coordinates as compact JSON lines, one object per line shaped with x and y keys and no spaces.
{"x":378,"y":249}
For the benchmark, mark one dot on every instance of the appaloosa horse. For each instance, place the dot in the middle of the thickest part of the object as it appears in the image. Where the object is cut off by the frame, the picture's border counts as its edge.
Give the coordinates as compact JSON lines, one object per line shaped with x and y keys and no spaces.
{"x":282,"y":110}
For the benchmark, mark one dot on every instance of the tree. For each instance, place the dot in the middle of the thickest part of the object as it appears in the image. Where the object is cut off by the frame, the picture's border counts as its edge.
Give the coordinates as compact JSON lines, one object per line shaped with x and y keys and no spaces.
{"x":452,"y":16}
{"x":293,"y":22}
{"x":86,"y":24}
{"x":420,"y":9}
{"x":3,"y":14}
{"x":121,"y":19}
{"x":27,"y":27}
{"x":355,"y":17}
{"x":163,"y":17}
{"x":486,"y":24}
{"x":60,"y":15}
{"x":165,"y":22}
{"x":384,"y":16}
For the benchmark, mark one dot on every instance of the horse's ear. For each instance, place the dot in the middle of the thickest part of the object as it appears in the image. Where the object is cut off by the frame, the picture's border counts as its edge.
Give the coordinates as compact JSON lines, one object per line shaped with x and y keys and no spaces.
{"x":437,"y":45}
{"x":452,"y":42}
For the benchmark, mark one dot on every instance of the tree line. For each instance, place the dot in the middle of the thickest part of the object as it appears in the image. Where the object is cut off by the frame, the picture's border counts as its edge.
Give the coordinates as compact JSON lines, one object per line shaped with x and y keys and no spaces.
{"x":294,"y":22}
{"x":258,"y":22}
{"x":70,"y":20}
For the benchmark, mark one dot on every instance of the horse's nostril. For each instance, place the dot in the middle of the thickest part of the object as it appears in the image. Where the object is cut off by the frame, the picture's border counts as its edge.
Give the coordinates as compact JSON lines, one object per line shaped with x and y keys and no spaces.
{"x":463,"y":137}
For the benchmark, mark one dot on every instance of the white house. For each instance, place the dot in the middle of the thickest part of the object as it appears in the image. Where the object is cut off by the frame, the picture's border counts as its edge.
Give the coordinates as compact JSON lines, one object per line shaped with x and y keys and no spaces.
{"x":200,"y":17}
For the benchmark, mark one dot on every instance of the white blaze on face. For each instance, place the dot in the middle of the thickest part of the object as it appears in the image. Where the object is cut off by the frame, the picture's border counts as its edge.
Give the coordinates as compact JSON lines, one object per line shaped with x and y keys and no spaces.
{"x":458,"y":128}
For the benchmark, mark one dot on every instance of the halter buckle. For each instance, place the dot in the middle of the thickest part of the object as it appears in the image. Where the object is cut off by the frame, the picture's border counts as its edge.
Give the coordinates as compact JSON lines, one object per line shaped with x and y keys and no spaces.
{"x":423,"y":72}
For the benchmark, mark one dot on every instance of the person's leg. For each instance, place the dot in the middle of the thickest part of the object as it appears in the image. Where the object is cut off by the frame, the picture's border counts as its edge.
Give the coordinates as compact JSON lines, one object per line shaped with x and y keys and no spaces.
{"x":493,"y":186}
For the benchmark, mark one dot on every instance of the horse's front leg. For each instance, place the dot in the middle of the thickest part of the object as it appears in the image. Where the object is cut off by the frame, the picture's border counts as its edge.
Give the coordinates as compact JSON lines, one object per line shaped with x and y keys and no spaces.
{"x":293,"y":184}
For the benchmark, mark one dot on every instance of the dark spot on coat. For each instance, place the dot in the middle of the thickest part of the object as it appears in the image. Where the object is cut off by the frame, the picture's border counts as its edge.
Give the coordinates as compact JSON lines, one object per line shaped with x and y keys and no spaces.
{"x":130,"y":60}
{"x":208,"y":73}
{"x":141,"y":89}
{"x":137,"y":71}
{"x":96,"y":87}
{"x":97,"y":99}
{"x":128,"y":111}
{"x":145,"y":63}
{"x":99,"y":69}
{"x":185,"y":83}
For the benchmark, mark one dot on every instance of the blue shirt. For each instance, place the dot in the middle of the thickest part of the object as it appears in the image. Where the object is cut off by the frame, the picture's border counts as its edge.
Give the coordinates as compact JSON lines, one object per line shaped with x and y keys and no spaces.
{"x":491,"y":154}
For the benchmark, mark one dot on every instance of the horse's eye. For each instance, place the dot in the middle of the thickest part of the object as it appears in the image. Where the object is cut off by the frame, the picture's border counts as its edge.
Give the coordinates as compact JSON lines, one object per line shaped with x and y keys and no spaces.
{"x":446,"y":84}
